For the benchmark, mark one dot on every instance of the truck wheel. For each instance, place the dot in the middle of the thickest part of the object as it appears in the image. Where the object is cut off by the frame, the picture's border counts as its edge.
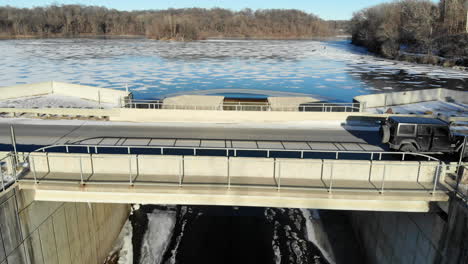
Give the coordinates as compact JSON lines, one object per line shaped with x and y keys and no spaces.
{"x":385,"y":133}
{"x":408,"y":148}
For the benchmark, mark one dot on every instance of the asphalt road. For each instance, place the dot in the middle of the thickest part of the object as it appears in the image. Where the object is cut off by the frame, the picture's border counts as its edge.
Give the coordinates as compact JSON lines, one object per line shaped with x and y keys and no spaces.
{"x":59,"y":134}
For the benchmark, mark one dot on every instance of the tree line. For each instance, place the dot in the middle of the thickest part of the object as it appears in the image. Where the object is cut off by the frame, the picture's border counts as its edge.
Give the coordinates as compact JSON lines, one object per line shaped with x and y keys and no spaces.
{"x":414,"y":26}
{"x":177,"y":24}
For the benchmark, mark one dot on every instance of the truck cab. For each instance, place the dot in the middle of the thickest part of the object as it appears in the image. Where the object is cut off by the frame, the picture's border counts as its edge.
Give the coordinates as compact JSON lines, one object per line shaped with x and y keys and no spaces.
{"x":418,"y":134}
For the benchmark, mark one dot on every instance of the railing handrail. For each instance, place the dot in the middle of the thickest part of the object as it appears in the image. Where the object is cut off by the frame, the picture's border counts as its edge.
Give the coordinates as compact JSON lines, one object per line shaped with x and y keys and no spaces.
{"x":227,"y":149}
{"x":133,"y":173}
{"x":246,"y":106}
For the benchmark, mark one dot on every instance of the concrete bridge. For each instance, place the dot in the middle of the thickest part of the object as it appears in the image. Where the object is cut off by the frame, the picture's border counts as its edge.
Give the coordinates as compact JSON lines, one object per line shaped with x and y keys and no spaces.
{"x":322,"y":179}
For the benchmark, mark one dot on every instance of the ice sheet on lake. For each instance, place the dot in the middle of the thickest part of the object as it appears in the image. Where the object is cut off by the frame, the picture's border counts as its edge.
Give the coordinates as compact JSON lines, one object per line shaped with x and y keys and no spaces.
{"x":166,"y":67}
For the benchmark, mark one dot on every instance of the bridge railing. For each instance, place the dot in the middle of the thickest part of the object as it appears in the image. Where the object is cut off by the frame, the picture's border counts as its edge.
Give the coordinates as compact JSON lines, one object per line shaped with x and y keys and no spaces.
{"x":247,"y":106}
{"x":229,"y":171}
{"x":233,"y":151}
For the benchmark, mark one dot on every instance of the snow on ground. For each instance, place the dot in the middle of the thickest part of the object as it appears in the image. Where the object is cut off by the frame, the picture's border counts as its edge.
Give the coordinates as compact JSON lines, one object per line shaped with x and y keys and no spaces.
{"x":52,"y":101}
{"x":158,"y":236}
{"x":317,"y":235}
{"x":436,"y":107}
{"x":124,"y":245}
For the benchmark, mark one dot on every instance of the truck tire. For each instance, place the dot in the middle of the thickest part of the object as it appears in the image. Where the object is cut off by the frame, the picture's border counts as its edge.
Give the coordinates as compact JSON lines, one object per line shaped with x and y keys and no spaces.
{"x":385,"y":134}
{"x":408,"y":148}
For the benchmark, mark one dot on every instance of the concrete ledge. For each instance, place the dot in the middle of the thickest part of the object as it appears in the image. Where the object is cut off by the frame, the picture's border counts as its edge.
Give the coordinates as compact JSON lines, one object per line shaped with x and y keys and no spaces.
{"x":236,"y":196}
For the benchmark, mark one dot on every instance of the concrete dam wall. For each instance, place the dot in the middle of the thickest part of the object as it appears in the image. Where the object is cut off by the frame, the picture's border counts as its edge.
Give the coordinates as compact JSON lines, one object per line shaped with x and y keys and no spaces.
{"x":400,"y":237}
{"x":56,"y":232}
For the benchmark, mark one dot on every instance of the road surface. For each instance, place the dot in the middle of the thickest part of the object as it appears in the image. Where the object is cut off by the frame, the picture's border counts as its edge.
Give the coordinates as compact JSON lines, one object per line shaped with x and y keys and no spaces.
{"x":50,"y":133}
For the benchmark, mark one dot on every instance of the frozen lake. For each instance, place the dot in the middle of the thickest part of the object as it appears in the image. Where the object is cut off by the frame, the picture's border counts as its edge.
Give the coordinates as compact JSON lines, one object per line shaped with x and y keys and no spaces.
{"x":152,"y":69}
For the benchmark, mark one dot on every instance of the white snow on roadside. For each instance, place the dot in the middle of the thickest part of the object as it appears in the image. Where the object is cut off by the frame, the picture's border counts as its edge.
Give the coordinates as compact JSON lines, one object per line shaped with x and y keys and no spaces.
{"x":158,"y":236}
{"x":52,"y":101}
{"x":316,"y":234}
{"x":436,"y":107}
{"x":124,"y":245}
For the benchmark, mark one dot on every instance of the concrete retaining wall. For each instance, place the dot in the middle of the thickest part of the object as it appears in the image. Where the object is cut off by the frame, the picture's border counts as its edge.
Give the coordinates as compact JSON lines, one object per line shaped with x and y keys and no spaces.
{"x":409,"y":97}
{"x":92,"y":93}
{"x":25,"y":90}
{"x":391,"y":237}
{"x":56,"y":232}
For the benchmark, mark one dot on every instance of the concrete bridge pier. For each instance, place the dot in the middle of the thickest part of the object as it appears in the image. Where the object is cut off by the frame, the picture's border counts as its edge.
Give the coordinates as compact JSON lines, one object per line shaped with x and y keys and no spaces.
{"x":38,"y":232}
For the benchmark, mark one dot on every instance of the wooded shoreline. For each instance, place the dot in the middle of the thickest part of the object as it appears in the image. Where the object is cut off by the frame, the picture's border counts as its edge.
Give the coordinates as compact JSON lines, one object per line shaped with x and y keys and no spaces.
{"x":172,"y":24}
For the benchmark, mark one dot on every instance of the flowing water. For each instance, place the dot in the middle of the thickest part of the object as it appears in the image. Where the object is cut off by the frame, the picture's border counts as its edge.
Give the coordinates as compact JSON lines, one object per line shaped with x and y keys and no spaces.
{"x":331,"y":69}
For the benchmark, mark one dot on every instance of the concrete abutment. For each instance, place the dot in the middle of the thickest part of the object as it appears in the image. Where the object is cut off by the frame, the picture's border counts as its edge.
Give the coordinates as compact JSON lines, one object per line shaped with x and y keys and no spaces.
{"x":56,"y":232}
{"x":414,"y":238}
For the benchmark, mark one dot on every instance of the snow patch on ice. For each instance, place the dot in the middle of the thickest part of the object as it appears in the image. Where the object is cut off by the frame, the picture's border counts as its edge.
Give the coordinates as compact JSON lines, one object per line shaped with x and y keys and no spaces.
{"x":124,"y":245}
{"x":158,"y":236}
{"x":316,"y":235}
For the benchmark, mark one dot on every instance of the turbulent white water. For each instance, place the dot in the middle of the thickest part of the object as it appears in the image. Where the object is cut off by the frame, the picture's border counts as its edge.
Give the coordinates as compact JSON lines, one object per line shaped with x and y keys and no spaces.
{"x":333,"y":69}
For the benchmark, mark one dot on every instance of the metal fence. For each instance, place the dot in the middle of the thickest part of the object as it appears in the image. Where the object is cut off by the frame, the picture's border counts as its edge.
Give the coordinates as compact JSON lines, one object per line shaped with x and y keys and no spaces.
{"x":231,"y":151}
{"x":247,"y":106}
{"x":325,"y":176}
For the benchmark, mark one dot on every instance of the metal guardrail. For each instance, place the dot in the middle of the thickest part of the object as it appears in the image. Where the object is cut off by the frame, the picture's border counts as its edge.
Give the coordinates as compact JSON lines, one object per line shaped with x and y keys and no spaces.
{"x":328,"y":183}
{"x":248,"y":106}
{"x":231,"y":151}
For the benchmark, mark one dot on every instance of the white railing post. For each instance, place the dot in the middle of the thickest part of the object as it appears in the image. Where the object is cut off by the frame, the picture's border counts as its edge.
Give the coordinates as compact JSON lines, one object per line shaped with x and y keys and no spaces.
{"x":81,"y":171}
{"x":278,"y":170}
{"x":228,"y":173}
{"x":181,"y":170}
{"x":383,"y":179}
{"x":331,"y":179}
{"x":130,"y":168}
{"x":1,"y":177}
{"x":33,"y":166}
{"x":436,"y":178}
